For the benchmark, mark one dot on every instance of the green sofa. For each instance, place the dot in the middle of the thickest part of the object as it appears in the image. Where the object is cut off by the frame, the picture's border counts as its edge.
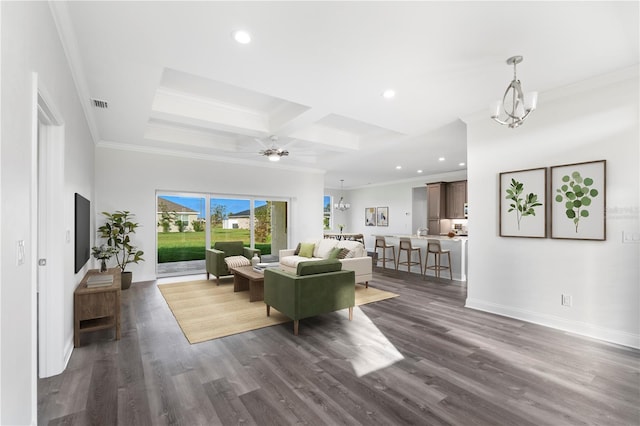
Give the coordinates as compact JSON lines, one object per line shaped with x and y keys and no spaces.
{"x":318,"y":287}
{"x":214,"y":258}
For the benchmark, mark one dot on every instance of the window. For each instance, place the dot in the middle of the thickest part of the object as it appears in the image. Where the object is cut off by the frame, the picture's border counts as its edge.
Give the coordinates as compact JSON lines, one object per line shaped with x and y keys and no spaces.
{"x":185,"y":228}
{"x":327,"y":212}
{"x":180,"y":232}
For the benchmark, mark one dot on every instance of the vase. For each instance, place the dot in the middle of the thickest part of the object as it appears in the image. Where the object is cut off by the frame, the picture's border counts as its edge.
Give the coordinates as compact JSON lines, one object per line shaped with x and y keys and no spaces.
{"x":103,"y":266}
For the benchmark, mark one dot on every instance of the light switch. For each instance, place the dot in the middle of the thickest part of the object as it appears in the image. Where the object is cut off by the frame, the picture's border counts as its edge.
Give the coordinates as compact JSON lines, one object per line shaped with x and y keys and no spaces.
{"x":630,"y":237}
{"x":20,"y":252}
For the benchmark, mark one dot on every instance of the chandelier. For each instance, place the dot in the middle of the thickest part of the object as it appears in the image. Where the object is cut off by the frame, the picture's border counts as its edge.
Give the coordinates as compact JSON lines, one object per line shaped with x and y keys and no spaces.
{"x":514,"y":104}
{"x":341,"y":205}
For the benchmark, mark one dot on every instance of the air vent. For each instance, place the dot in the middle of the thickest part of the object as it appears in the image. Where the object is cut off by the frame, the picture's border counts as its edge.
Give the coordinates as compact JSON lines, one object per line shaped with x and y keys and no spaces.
{"x":97,"y":103}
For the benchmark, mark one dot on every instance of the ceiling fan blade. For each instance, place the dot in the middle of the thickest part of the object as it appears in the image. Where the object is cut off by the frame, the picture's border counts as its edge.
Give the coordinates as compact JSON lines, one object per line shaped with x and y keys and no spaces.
{"x":290,"y":143}
{"x":261,"y":143}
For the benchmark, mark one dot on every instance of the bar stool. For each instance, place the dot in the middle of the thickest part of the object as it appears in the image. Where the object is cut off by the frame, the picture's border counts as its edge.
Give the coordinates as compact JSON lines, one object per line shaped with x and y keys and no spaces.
{"x":434,"y":247}
{"x":381,"y":243}
{"x":359,"y":238}
{"x":405,"y":245}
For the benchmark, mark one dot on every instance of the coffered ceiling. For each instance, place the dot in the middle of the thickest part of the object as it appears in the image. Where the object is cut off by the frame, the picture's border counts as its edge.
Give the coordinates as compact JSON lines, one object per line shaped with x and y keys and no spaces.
{"x":176,"y":82}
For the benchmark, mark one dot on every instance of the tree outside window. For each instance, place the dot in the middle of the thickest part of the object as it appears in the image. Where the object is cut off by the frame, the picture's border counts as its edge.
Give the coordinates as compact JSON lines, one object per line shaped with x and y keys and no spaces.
{"x":327,"y":212}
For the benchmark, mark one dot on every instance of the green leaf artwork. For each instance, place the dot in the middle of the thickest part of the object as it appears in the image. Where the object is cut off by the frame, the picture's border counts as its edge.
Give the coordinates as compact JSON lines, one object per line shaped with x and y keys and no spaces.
{"x":576,"y":193}
{"x":523,"y":206}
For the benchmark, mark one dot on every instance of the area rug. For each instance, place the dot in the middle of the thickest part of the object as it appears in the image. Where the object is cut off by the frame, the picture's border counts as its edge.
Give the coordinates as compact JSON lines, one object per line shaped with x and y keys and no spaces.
{"x":206,"y":311}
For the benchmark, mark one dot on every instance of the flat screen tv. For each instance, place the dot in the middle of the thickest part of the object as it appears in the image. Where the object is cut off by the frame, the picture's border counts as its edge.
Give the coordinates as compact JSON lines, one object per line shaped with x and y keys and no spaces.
{"x":82,"y":231}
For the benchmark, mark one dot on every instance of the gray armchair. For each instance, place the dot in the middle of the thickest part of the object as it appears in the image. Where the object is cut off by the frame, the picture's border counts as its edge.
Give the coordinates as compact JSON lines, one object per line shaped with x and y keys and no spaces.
{"x":214,"y":257}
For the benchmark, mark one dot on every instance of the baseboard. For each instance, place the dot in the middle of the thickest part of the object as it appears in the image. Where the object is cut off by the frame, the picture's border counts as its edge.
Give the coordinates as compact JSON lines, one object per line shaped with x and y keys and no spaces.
{"x":68,"y":350}
{"x":552,"y":321}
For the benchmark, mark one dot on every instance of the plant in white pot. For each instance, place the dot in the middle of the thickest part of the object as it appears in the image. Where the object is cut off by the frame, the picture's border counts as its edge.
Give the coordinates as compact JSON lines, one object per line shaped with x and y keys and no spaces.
{"x":117,"y":230}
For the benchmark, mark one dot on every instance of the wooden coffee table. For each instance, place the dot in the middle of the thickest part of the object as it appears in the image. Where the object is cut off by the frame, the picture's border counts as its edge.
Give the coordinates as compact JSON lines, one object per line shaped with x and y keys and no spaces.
{"x":245,"y":278}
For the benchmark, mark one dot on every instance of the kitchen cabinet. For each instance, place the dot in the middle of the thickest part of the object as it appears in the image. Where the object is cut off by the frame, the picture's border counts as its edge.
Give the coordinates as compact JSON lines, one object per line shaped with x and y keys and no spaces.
{"x":456,"y":197}
{"x":436,"y":206}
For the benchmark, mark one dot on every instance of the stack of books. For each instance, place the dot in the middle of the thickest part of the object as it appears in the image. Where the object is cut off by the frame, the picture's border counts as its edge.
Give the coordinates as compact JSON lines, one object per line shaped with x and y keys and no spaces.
{"x":260,"y":267}
{"x":99,"y":280}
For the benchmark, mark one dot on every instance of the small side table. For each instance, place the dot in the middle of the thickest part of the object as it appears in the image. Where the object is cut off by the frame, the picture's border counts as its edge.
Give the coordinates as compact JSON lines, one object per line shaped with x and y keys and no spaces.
{"x":96,"y":308}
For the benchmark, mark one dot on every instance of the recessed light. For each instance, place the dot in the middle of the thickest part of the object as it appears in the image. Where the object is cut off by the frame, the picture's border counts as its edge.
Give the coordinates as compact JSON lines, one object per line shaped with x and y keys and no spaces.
{"x":441,"y":159}
{"x":241,"y":36}
{"x":389,"y":94}
{"x":419,"y":171}
{"x":460,"y":164}
{"x":398,"y":167}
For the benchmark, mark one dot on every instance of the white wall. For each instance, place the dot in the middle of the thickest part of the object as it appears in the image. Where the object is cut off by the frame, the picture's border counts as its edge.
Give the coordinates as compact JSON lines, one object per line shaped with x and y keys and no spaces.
{"x":30,"y":44}
{"x":128,"y":180}
{"x":523,"y":277}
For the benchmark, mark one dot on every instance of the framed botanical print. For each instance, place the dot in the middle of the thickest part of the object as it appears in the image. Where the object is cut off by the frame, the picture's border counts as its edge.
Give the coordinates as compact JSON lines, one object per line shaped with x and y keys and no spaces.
{"x":383,"y":216}
{"x":578,"y":201}
{"x":370,"y":216}
{"x":523,"y":203}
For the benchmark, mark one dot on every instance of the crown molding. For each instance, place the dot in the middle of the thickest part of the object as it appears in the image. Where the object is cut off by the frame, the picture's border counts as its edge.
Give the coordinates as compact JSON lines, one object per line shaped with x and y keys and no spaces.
{"x":68,"y":39}
{"x":205,"y":157}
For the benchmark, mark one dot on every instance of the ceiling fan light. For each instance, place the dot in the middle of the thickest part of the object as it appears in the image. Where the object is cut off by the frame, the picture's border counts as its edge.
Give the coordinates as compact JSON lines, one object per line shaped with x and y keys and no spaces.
{"x":274,"y":157}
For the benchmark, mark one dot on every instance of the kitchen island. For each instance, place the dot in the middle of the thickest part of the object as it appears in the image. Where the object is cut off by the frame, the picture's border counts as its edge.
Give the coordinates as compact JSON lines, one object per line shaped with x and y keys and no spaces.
{"x":457,"y":245}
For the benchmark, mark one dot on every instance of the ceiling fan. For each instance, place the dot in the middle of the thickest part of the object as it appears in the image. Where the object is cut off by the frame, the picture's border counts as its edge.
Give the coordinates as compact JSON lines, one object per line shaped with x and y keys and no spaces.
{"x":273,"y":152}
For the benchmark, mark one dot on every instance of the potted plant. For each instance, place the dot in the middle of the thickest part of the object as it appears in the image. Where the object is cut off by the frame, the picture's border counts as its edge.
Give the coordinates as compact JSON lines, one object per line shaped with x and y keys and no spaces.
{"x":117,"y":231}
{"x":103,"y":253}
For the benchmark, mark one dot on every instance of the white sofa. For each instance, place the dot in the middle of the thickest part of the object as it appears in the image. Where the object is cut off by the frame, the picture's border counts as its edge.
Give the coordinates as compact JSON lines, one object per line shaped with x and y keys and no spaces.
{"x":357,"y":259}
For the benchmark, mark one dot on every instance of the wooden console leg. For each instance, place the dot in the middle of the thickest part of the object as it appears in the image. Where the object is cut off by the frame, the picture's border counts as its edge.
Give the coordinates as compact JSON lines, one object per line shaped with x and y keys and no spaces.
{"x":295,"y":327}
{"x":217,"y":280}
{"x":207,"y":276}
{"x":268,"y":310}
{"x":350,"y":313}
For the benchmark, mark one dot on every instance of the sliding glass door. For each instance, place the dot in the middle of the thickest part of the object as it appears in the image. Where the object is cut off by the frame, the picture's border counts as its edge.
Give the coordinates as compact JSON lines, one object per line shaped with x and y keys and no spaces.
{"x":270,"y":227}
{"x":189,"y":223}
{"x":230,"y":220}
{"x":181,"y":236}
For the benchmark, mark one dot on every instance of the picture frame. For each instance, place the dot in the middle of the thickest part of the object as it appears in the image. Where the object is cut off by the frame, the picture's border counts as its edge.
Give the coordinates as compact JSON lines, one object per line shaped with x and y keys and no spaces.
{"x":578,"y":201}
{"x":523,"y":203}
{"x":370,"y":216}
{"x":382,"y":216}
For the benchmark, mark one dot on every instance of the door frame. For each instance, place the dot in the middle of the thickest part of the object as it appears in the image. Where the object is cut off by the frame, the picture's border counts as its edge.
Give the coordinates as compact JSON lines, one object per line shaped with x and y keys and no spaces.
{"x":50,"y":351}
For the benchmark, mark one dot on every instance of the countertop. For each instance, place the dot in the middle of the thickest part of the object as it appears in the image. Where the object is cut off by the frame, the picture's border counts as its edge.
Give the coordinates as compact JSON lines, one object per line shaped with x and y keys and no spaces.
{"x":428,"y":237}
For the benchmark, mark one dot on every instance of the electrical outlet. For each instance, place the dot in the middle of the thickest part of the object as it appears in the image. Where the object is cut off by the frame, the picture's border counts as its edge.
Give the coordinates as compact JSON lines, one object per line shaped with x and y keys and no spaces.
{"x":566,"y":300}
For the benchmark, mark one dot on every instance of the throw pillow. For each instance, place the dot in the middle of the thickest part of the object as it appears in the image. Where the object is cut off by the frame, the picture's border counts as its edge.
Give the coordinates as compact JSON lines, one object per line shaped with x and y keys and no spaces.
{"x":333,"y":254}
{"x":306,"y":249}
{"x":324,"y":247}
{"x":297,"y":251}
{"x":356,"y":247}
{"x":343,"y":253}
{"x":236,"y":261}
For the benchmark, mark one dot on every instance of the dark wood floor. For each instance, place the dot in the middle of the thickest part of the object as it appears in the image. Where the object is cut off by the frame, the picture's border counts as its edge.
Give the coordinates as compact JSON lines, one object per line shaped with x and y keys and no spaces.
{"x":420,"y":358}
